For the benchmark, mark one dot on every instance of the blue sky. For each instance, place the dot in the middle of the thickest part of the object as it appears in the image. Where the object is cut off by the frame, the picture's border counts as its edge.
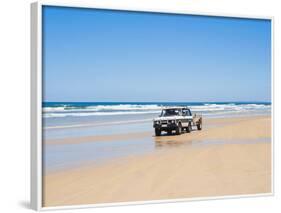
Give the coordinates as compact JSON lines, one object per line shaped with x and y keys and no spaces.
{"x":103,"y":55}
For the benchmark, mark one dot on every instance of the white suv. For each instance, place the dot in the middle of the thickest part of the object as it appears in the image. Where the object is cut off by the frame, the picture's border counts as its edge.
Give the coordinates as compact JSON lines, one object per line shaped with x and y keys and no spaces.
{"x":176,"y":119}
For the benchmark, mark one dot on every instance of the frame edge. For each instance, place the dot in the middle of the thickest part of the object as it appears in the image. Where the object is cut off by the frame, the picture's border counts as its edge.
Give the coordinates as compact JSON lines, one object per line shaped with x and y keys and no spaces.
{"x":35,"y":163}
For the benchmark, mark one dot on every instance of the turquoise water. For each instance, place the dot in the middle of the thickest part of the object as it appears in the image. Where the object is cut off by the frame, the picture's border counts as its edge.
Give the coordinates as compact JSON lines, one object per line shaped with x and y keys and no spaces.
{"x":100,"y":110}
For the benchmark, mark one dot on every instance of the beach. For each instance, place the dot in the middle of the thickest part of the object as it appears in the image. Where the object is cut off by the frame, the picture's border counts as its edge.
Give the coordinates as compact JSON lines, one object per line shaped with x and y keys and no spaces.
{"x":231,"y":155}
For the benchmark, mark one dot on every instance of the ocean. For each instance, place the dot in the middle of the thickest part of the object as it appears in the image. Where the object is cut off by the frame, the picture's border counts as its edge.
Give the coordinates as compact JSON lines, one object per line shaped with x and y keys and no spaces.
{"x":82,"y":109}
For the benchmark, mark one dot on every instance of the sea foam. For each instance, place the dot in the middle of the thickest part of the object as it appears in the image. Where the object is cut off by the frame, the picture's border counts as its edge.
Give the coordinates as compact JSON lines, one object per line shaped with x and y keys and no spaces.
{"x":72,"y":110}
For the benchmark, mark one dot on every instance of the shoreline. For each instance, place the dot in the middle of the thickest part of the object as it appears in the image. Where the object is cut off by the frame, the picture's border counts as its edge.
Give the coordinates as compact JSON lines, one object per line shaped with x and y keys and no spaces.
{"x":176,"y":171}
{"x":98,"y":138}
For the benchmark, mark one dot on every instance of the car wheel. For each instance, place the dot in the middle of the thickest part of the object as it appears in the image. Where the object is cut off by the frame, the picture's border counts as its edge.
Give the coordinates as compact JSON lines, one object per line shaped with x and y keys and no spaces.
{"x":179,"y":129}
{"x":189,"y":128}
{"x":157,"y":132}
{"x":199,"y":126}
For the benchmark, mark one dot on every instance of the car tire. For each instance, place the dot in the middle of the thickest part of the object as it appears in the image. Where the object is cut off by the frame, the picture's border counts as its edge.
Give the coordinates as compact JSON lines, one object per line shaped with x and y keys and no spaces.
{"x":189,"y":128}
{"x":157,"y":132}
{"x":179,"y":129}
{"x":199,"y":126}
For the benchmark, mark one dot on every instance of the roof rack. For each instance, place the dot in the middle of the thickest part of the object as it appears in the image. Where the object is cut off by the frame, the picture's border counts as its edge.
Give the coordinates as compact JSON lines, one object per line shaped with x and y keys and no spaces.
{"x":175,"y":107}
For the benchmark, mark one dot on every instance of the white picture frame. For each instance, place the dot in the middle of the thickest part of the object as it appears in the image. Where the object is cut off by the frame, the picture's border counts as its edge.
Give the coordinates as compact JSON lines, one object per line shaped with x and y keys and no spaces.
{"x":36,"y":99}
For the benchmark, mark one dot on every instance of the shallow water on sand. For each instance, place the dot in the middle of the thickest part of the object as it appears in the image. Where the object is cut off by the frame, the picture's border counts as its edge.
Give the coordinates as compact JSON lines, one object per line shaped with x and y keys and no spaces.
{"x":97,"y":130}
{"x":202,"y":143}
{"x":117,"y":124}
{"x":63,"y":156}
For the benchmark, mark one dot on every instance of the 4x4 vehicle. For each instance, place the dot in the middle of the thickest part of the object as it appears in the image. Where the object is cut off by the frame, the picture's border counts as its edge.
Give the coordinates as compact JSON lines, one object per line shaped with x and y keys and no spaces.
{"x":176,"y":119}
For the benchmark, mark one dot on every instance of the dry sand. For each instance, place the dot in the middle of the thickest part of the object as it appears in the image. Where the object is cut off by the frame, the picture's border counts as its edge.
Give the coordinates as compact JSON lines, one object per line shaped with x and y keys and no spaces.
{"x":177,"y":171}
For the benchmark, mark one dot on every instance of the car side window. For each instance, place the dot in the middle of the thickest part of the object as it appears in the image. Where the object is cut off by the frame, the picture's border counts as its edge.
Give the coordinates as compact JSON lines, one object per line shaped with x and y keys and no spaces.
{"x":188,"y":112}
{"x":184,"y":112}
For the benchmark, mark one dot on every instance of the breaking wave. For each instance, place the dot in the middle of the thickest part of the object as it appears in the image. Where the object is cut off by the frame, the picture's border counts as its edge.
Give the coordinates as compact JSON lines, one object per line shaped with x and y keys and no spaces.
{"x":78,"y":110}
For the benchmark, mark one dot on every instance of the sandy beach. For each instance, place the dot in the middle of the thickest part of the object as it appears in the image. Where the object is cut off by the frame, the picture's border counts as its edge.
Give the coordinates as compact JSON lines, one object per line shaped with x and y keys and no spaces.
{"x":230,"y":156}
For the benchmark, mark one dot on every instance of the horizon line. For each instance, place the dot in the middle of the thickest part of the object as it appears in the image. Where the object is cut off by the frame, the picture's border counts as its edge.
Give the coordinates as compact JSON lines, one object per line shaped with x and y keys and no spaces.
{"x":157,"y":101}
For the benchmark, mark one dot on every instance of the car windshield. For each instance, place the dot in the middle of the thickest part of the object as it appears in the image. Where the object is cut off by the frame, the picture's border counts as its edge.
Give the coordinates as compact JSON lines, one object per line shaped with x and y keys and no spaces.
{"x":170,"y":112}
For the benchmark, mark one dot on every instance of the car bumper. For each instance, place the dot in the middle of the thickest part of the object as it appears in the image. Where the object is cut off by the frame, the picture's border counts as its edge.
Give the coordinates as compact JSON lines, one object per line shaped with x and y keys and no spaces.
{"x":171,"y":126}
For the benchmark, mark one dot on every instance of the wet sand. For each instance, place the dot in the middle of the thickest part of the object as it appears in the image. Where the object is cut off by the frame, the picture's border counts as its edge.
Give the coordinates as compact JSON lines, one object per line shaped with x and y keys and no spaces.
{"x":177,"y":171}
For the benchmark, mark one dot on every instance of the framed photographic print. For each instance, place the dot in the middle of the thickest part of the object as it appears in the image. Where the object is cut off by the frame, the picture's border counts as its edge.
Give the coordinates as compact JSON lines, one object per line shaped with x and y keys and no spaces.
{"x":133,"y":106}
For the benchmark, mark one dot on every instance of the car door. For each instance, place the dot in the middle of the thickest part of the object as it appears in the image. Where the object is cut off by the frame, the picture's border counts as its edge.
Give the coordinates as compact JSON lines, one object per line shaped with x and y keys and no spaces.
{"x":185,"y":115}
